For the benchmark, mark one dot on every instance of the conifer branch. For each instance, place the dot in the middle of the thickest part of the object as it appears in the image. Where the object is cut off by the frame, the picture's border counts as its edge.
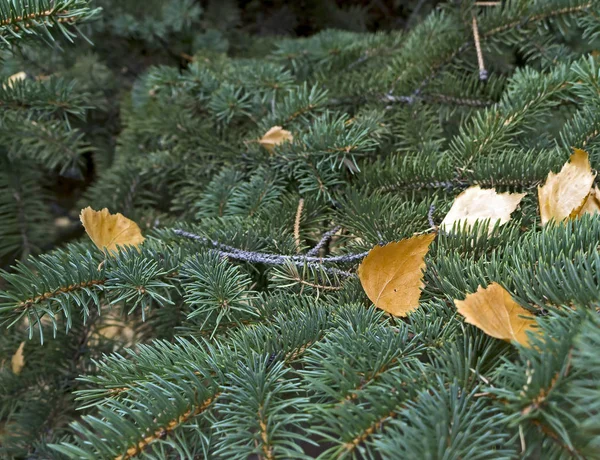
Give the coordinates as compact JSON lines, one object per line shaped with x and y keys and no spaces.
{"x":373,"y":428}
{"x":163,"y":431}
{"x":436,"y":69}
{"x":26,"y":304}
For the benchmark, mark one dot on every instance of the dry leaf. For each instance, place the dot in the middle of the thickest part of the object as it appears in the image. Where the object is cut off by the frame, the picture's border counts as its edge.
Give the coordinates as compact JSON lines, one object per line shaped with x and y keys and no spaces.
{"x":494,"y":311}
{"x":18,"y":360}
{"x":108,"y":231}
{"x":392,"y":275}
{"x":275,"y":136}
{"x":592,"y":203}
{"x":13,"y":78}
{"x":478,"y":204}
{"x":564,"y":194}
{"x":113,"y":327}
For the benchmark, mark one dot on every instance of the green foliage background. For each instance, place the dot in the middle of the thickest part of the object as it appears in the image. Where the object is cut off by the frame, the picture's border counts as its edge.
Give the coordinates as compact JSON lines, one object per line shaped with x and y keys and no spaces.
{"x":229,"y":334}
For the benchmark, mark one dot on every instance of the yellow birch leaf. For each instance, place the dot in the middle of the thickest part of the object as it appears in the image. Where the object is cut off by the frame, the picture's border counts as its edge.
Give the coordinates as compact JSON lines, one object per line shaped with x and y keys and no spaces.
{"x":13,"y":78}
{"x":494,"y":311}
{"x":18,"y":360}
{"x":563,"y":194}
{"x":592,"y":203}
{"x":392,"y":275}
{"x":476,"y":203}
{"x":275,"y":136}
{"x":108,"y":231}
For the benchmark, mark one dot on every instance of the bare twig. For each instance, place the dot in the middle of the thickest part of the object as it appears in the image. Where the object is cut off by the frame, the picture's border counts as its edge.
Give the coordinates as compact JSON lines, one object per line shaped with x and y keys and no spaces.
{"x":483,"y":74}
{"x":277,"y":259}
{"x":297,"y":224}
{"x":430,"y":217}
{"x":324,"y":240}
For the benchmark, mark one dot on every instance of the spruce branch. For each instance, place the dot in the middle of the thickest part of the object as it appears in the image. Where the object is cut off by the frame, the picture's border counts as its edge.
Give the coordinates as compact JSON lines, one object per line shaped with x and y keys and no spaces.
{"x":20,"y":19}
{"x":167,"y":428}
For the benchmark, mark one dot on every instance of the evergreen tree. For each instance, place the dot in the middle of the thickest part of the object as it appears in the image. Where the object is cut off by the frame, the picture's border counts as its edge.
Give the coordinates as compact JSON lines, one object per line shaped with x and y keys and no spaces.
{"x":240,"y":328}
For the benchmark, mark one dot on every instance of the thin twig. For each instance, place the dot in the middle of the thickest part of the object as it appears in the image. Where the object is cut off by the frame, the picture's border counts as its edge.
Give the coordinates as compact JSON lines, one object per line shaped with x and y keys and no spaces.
{"x":324,"y":240}
{"x":483,"y":74}
{"x":414,"y":13}
{"x":432,"y":223}
{"x":278,"y":259}
{"x":297,"y":224}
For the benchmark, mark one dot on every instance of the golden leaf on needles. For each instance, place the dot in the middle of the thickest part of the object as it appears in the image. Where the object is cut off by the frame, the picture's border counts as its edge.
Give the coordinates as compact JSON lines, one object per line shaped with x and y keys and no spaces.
{"x":592,"y":203}
{"x":13,"y":78}
{"x":18,"y":360}
{"x":275,"y":136}
{"x":476,"y":203}
{"x":392,"y":275}
{"x":564,"y":194}
{"x":108,"y":231}
{"x":494,"y":311}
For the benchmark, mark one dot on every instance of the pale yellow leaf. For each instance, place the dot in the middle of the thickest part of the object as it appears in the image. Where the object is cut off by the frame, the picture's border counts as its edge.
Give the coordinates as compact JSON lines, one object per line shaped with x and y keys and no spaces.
{"x":494,"y":311}
{"x":392,"y":275}
{"x":563,"y":194}
{"x":480,"y":204}
{"x":13,"y":78}
{"x":113,"y":327}
{"x":108,"y":231}
{"x":592,"y":203}
{"x":275,"y":136}
{"x":18,"y":360}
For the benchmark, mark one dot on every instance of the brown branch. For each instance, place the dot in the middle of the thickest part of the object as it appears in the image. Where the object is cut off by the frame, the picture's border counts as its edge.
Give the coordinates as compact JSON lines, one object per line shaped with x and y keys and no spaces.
{"x":63,"y":290}
{"x":297,"y":224}
{"x":372,"y":428}
{"x":299,"y":112}
{"x":480,"y":63}
{"x":27,"y":17}
{"x":540,"y":399}
{"x":166,"y":429}
{"x":538,"y":17}
{"x":266,"y":447}
{"x":315,"y":285}
{"x":590,"y":136}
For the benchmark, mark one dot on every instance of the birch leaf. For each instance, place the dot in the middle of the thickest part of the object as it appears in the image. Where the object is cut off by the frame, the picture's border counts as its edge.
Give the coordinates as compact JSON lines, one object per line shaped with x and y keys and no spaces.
{"x":494,"y":311}
{"x":476,"y":203}
{"x":18,"y":360}
{"x":275,"y":136}
{"x":592,"y":203}
{"x":563,"y":195}
{"x":392,"y":275}
{"x":108,"y":231}
{"x":13,"y":78}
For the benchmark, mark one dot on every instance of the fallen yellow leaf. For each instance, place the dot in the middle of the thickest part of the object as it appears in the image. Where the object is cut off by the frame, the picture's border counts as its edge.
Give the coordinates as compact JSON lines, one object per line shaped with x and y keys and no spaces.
{"x":563,"y":195}
{"x":18,"y":360}
{"x":392,"y":275}
{"x":494,"y":311}
{"x":113,"y":327}
{"x":476,"y":203}
{"x":592,"y":203}
{"x":108,"y":231}
{"x":13,"y":78}
{"x":275,"y":136}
